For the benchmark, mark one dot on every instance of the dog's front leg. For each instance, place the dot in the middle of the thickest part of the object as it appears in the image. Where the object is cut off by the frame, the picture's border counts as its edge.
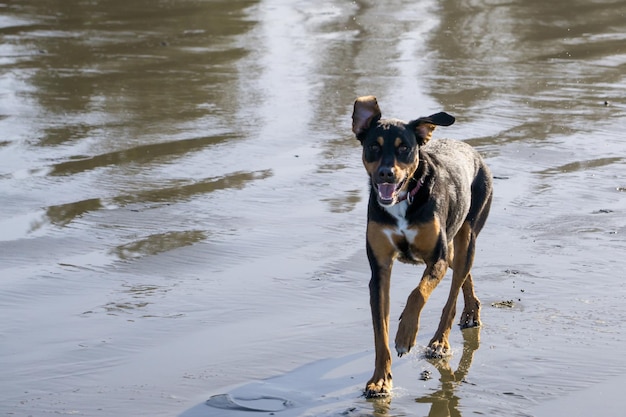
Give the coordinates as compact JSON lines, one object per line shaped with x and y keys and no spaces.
{"x":380,"y":384}
{"x":409,"y":319}
{"x":464,"y":248}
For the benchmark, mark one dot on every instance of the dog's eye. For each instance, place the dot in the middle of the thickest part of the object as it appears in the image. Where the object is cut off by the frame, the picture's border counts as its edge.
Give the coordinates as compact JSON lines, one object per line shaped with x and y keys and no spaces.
{"x":374,"y":147}
{"x":403,"y":148}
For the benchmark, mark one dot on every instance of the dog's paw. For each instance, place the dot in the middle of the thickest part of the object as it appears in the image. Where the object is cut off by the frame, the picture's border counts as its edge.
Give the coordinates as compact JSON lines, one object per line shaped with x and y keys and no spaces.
{"x":402,"y":348}
{"x":378,"y":387}
{"x":438,"y":350}
{"x":405,"y":338}
{"x":470,"y":318}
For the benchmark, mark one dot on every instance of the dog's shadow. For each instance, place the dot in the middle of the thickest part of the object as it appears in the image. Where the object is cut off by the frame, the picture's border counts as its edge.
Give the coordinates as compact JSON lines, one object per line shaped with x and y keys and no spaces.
{"x":321,"y":385}
{"x":332,"y":387}
{"x":444,"y":402}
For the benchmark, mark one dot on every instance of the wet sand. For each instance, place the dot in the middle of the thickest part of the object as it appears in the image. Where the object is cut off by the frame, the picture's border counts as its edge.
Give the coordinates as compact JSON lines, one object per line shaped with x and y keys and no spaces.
{"x":184,"y":205}
{"x":605,"y":397}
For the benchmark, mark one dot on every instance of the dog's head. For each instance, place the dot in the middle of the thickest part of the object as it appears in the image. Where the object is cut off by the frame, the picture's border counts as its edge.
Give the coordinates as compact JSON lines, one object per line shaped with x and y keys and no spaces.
{"x":390,"y":146}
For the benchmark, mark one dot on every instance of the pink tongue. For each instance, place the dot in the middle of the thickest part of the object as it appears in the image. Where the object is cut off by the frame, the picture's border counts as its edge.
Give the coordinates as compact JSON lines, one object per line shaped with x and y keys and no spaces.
{"x":385,"y":191}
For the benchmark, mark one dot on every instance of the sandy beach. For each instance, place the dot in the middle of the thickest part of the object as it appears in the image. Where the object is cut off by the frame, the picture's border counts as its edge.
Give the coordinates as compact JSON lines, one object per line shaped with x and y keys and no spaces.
{"x":184,"y":206}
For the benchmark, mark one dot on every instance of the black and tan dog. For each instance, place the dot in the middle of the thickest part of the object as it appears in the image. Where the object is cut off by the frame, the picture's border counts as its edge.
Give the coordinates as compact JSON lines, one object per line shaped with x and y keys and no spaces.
{"x":428,"y":202}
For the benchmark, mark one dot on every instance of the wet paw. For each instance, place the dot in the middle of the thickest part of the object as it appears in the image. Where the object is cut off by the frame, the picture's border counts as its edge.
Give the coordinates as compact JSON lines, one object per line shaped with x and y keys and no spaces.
{"x":378,"y":388}
{"x":403,"y":349}
{"x":469,"y":319}
{"x":438,"y":350}
{"x":471,"y":314}
{"x":405,"y":338}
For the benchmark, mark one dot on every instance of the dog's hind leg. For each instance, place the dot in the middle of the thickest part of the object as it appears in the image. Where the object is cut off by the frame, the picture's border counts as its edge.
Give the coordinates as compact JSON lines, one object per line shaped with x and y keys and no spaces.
{"x":482,"y":194}
{"x":471,"y":311}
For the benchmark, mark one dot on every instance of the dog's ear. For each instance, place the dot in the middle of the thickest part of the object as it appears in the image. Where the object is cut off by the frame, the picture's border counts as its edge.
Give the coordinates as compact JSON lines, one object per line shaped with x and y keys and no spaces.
{"x":424,"y":126}
{"x":366,"y":111}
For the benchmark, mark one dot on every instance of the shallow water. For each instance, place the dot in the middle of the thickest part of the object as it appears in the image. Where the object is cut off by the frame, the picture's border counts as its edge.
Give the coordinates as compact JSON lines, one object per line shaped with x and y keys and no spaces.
{"x":184,"y":204}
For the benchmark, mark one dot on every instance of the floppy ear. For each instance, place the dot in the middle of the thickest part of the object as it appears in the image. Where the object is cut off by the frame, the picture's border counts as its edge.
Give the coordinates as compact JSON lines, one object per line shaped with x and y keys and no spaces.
{"x":424,"y":126}
{"x":365,"y":112}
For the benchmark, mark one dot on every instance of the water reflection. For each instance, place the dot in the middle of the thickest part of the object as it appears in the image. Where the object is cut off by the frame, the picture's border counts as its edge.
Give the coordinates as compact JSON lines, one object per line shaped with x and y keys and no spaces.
{"x":158,"y":243}
{"x":115,"y":52}
{"x":63,"y":214}
{"x":175,"y":192}
{"x":153,"y":152}
{"x":445,"y":402}
{"x":183,"y":190}
{"x":530,"y":70}
{"x":580,"y":166}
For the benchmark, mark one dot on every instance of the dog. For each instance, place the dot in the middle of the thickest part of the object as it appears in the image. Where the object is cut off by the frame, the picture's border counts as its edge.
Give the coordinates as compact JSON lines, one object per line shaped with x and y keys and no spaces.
{"x":428,"y":202}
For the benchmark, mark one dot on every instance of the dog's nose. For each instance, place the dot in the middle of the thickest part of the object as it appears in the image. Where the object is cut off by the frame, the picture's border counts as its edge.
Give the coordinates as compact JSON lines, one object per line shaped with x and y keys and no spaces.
{"x":386,"y":174}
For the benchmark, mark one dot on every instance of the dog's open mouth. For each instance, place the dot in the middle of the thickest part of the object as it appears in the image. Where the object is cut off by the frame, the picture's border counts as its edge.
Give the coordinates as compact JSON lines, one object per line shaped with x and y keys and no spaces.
{"x":387,"y":192}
